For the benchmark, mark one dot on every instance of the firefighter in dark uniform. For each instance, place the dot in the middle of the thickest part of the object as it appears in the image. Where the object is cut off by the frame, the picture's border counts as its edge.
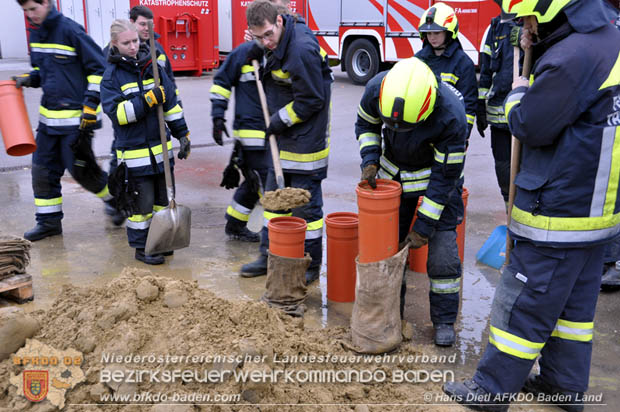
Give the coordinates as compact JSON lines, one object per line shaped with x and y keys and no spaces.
{"x":423,"y":148}
{"x":251,"y":153}
{"x":67,"y":65}
{"x":130,"y":100}
{"x":496,"y":66}
{"x":298,"y":84}
{"x":567,"y":117}
{"x":443,"y":53}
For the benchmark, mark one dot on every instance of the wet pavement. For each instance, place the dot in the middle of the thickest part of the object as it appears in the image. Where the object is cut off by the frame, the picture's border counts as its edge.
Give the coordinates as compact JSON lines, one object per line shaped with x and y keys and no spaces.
{"x":92,"y":251}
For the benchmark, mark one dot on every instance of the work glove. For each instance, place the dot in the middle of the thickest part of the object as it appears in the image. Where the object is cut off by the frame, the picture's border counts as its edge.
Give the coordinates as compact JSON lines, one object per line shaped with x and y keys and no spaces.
{"x":184,"y":147}
{"x":219,"y":126}
{"x":252,"y":177}
{"x":481,"y":117}
{"x":515,"y":36}
{"x":23,"y":80}
{"x":416,"y":240}
{"x":155,"y":96}
{"x":255,"y":53}
{"x":230,"y":176}
{"x":369,"y":173}
{"x":88,"y":119}
{"x":276,"y":126}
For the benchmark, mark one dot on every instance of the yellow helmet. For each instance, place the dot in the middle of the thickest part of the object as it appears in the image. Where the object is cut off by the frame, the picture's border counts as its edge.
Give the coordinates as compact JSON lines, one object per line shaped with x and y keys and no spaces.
{"x":440,"y":17}
{"x":544,"y":10}
{"x":408,"y":93}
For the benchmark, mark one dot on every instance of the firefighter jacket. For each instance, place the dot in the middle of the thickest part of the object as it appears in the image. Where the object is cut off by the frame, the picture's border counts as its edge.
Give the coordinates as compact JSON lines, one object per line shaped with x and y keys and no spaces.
{"x":454,"y":67}
{"x":428,"y":160}
{"x":496,"y":66}
{"x":237,"y":72}
{"x":67,"y":65}
{"x":568,"y":120}
{"x":298,"y":87}
{"x":136,"y":126}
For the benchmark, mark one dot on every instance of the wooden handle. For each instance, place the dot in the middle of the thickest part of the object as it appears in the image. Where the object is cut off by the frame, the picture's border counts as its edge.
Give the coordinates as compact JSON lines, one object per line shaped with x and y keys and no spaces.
{"x":275,"y":153}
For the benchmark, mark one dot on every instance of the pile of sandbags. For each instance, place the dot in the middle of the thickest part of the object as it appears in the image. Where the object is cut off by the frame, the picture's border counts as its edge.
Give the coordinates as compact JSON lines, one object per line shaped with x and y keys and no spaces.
{"x":14,"y":255}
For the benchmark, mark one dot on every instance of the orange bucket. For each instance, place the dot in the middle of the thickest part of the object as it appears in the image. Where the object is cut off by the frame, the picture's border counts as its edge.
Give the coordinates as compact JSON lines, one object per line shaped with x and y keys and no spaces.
{"x":418,"y":257}
{"x":342,"y":248}
{"x":14,"y":122}
{"x":378,"y":220}
{"x":286,"y":236}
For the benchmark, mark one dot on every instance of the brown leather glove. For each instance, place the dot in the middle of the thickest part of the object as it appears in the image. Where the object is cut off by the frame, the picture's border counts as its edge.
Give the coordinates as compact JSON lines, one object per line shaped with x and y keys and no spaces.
{"x":369,"y":173}
{"x":415,"y":240}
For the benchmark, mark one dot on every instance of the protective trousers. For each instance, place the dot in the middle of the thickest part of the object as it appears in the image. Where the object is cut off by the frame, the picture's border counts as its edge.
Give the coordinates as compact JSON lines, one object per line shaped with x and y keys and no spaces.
{"x":244,"y":200}
{"x":443,"y":264}
{"x":312,"y":213}
{"x":49,"y":162}
{"x":544,"y":305}
{"x":501,"y":142}
{"x":151,"y":199}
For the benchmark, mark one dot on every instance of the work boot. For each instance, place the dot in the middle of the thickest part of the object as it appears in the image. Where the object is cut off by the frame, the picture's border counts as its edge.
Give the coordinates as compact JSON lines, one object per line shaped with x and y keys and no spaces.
{"x":256,"y":268}
{"x":312,"y":274}
{"x":44,"y":229}
{"x":241,"y":233}
{"x":611,"y":278}
{"x":168,"y":253}
{"x":114,"y":215}
{"x":157,"y":259}
{"x":566,"y":400}
{"x":472,"y":395}
{"x":444,"y":334}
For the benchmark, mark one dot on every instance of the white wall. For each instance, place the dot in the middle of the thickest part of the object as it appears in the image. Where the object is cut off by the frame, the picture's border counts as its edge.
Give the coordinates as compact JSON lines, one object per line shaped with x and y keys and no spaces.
{"x":13,"y":34}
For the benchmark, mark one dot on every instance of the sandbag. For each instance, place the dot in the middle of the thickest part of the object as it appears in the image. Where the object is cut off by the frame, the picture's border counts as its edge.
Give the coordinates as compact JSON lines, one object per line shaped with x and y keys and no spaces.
{"x":286,"y":283}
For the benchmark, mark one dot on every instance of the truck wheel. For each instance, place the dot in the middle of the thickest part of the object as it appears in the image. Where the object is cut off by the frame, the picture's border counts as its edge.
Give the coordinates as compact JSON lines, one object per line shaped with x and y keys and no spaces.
{"x":362,"y":61}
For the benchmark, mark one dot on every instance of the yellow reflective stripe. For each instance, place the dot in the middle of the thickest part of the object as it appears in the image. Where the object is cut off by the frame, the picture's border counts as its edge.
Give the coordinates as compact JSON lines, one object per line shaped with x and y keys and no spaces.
{"x":614,"y":76}
{"x":35,"y":68}
{"x":236,"y":214}
{"x":104,"y":193}
{"x":246,"y":68}
{"x":514,"y":345}
{"x":94,"y":79}
{"x":487,"y":50}
{"x":564,"y":223}
{"x":121,"y":114}
{"x":578,"y":331}
{"x":220,"y":90}
{"x":316,"y":225}
{"x":281,"y":74}
{"x":61,"y":114}
{"x":314,"y":230}
{"x":369,"y":139}
{"x":431,"y":209}
{"x":323,"y":53}
{"x":157,"y":208}
{"x":511,"y":102}
{"x":370,"y":119}
{"x":445,"y":285}
{"x":453,"y":158}
{"x":482,"y":93}
{"x":48,"y":202}
{"x":250,"y":134}
{"x":162,"y":57}
{"x":291,"y":113}
{"x":612,"y":187}
{"x":135,"y":84}
{"x":140,"y":153}
{"x":449,"y":78}
{"x":470,"y":118}
{"x":304,"y":157}
{"x":531,"y":79}
{"x":52,"y":46}
{"x":174,"y":114}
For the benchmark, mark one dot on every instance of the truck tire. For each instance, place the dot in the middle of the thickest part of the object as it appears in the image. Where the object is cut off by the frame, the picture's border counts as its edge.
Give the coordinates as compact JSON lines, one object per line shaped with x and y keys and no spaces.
{"x":362,"y":61}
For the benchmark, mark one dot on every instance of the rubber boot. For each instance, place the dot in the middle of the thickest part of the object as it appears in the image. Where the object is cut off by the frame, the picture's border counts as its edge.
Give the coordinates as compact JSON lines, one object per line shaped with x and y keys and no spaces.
{"x":157,"y":259}
{"x":114,"y":215}
{"x":240,"y":233}
{"x":44,"y":229}
{"x":444,"y":334}
{"x":286,"y":283}
{"x":611,"y":278}
{"x":566,"y":400}
{"x":256,"y":268}
{"x":475,"y":397}
{"x":312,"y":274}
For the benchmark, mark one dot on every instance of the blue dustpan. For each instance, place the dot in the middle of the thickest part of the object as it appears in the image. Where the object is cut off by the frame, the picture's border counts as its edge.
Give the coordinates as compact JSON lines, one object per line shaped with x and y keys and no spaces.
{"x":493,"y":252}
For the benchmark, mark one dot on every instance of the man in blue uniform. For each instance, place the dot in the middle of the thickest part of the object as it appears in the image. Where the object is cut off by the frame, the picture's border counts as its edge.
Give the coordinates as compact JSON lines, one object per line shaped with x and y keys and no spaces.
{"x":251,"y":153}
{"x":67,"y":65}
{"x":567,"y":117}
{"x":298,"y":84}
{"x":423,"y":148}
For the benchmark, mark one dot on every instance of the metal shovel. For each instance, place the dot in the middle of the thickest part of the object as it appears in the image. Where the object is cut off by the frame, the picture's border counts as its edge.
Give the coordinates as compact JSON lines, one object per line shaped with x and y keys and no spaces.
{"x":170,"y":227}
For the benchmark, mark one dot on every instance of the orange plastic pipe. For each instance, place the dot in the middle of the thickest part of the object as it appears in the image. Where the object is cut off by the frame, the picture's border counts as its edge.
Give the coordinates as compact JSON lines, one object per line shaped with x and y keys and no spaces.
{"x":286,"y":236}
{"x":342,"y":249}
{"x":14,"y":122}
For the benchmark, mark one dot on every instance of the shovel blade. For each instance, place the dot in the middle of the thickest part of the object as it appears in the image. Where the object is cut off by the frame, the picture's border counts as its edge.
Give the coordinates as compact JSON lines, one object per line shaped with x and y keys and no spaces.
{"x":169,"y":230}
{"x":493,"y":252}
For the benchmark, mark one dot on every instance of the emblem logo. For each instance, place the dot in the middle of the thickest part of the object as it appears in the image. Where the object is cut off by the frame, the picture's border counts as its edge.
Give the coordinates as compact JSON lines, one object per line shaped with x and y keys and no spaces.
{"x":36,"y":385}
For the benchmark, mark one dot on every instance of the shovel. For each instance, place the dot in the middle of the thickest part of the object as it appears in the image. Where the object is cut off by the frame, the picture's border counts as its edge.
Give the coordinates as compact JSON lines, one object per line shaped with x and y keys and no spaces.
{"x":170,"y":227}
{"x":285,"y":197}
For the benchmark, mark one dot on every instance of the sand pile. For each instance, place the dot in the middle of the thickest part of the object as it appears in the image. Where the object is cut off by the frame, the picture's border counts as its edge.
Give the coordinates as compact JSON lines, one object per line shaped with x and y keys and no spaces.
{"x":152,"y":325}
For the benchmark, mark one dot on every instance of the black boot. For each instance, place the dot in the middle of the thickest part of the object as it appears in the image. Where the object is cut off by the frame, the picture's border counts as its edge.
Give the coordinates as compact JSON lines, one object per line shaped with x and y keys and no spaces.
{"x":475,"y":397}
{"x":115,"y":216}
{"x":611,"y":278}
{"x":44,"y":229}
{"x":312,"y":274}
{"x":444,"y":334}
{"x":240,"y":233}
{"x":157,"y":259}
{"x":567,"y":400}
{"x":256,"y":268}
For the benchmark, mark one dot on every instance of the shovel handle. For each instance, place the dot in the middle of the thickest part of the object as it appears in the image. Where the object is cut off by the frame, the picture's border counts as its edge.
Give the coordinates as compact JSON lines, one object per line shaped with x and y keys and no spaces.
{"x":160,"y":117}
{"x":515,"y":157}
{"x":275,"y":153}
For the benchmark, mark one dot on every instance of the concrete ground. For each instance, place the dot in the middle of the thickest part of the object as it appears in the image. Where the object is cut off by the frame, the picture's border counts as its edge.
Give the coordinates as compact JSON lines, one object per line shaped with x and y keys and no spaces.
{"x":92,"y":251}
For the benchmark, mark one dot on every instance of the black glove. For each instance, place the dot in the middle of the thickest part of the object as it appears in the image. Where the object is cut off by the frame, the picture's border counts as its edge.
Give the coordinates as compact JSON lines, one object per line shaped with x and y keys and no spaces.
{"x":481,"y":117}
{"x":253,"y":178}
{"x":369,"y":173}
{"x":155,"y":96}
{"x":255,"y":53}
{"x":219,"y":126}
{"x":23,"y":80}
{"x":515,"y":36}
{"x":276,"y":126}
{"x":184,"y":147}
{"x":88,"y":119}
{"x":231,"y":176}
